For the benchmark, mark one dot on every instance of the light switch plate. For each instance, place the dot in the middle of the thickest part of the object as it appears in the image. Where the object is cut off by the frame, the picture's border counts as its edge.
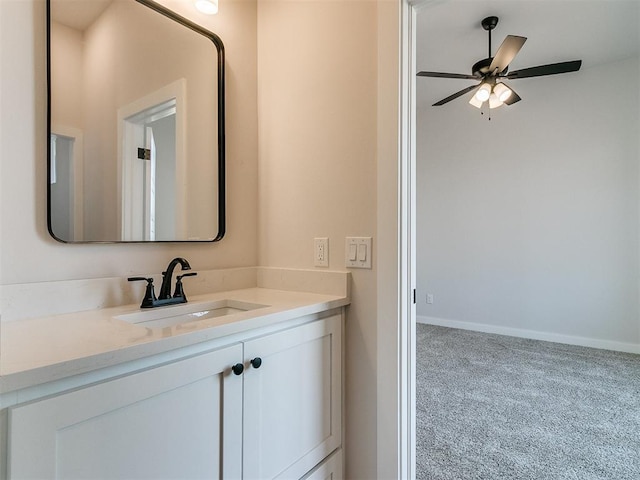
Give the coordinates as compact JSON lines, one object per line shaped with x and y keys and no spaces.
{"x":363,"y":252}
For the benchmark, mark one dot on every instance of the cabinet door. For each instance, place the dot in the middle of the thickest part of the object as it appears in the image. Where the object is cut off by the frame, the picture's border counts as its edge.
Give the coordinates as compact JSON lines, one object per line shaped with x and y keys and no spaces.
{"x":330,"y":469}
{"x":292,"y":402}
{"x":163,"y":423}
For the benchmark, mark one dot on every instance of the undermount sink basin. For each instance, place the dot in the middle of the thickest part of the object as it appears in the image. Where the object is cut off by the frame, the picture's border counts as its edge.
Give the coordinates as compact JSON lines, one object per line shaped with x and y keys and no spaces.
{"x":161,"y":317}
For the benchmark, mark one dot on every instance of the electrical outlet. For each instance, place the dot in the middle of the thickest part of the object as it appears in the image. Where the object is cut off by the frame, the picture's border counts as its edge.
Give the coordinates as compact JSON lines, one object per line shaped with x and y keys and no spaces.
{"x":321,"y":252}
{"x":429,"y":298}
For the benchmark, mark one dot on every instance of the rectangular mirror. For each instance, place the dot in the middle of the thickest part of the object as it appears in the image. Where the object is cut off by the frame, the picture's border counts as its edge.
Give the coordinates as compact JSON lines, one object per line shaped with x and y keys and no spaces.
{"x":135,"y":124}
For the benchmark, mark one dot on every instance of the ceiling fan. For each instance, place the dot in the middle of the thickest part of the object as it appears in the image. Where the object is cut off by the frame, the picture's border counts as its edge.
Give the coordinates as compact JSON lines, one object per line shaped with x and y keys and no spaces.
{"x":492,"y":70}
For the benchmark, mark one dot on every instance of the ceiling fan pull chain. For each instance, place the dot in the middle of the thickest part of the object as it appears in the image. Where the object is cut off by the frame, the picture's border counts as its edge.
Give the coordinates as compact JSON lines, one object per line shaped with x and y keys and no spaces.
{"x":485,"y":106}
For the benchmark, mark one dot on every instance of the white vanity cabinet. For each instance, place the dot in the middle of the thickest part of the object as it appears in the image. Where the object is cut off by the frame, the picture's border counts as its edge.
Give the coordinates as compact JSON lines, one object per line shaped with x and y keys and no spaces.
{"x":194,"y":418}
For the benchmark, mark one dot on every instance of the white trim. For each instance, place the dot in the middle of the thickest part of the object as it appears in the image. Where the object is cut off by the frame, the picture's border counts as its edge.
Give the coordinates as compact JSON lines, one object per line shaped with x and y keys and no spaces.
{"x":532,"y":334}
{"x":78,"y":176}
{"x":407,"y":331}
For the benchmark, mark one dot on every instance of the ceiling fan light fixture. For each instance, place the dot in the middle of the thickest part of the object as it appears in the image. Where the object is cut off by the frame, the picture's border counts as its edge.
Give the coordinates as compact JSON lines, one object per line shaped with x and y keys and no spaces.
{"x":483,"y":93}
{"x":208,"y":7}
{"x":494,"y":101}
{"x":475,"y":102}
{"x":502,"y":92}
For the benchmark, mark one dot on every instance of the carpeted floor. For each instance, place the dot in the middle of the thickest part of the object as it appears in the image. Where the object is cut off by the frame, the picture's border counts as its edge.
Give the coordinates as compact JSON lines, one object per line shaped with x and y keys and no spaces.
{"x":494,"y":407}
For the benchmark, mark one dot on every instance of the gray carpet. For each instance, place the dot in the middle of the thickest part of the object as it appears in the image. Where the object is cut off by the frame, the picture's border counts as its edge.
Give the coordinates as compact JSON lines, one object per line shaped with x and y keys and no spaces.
{"x":495,"y":407}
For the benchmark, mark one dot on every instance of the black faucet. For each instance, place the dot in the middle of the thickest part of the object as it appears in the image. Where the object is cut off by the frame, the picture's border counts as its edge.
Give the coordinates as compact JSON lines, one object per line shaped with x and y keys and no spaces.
{"x":150,"y":300}
{"x":167,"y":276}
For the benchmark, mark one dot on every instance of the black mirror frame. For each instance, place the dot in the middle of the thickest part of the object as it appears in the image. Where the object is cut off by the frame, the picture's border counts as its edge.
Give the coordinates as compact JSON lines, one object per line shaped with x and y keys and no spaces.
{"x":221,"y":126}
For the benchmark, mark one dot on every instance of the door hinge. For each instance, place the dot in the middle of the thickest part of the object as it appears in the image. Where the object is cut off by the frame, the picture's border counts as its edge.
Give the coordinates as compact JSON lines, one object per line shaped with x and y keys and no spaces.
{"x":414,"y":295}
{"x":144,"y":153}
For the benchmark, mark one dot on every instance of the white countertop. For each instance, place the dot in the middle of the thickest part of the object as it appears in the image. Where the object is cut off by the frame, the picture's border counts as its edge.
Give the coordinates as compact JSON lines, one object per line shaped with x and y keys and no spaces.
{"x":44,"y":349}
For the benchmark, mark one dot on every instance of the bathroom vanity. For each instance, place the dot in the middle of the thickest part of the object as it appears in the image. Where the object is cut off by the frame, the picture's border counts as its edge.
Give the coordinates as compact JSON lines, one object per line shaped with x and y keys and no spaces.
{"x":244,"y":381}
{"x":252,"y":391}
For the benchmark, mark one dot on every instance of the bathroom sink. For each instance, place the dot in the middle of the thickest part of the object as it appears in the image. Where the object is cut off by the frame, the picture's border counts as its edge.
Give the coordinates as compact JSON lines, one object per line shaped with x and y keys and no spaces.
{"x":186,"y":313}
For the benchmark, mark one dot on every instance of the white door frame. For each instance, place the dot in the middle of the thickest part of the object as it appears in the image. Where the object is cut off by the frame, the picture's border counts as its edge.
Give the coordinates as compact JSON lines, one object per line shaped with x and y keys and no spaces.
{"x":77,"y":183}
{"x":176,"y":90}
{"x":407,"y":331}
{"x":406,"y":446}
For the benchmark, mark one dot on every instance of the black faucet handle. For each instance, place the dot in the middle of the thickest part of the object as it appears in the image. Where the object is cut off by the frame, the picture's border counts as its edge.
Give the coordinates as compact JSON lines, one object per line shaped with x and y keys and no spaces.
{"x":149,"y":294}
{"x":179,"y":291}
{"x":136,"y":279}
{"x":189,"y":274}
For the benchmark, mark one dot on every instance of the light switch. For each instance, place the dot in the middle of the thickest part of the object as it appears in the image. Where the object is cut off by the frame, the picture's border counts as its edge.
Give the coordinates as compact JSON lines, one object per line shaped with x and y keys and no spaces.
{"x":358,"y":252}
{"x":362,"y":252}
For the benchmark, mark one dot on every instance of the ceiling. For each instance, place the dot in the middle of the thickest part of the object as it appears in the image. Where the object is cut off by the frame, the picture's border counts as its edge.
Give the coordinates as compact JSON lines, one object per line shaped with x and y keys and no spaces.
{"x":78,"y":14}
{"x":450,"y":38}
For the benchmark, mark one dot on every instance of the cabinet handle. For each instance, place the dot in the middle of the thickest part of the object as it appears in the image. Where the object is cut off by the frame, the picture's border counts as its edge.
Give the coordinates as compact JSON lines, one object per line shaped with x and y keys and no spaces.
{"x":238,"y":368}
{"x":256,"y":362}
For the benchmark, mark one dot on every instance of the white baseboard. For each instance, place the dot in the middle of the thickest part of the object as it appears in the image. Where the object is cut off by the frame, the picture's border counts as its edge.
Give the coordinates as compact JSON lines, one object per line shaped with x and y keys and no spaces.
{"x":532,"y":334}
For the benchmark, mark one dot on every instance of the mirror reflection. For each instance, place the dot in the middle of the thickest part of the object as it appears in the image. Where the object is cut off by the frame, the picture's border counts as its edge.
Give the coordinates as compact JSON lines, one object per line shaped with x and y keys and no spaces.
{"x":136,"y":124}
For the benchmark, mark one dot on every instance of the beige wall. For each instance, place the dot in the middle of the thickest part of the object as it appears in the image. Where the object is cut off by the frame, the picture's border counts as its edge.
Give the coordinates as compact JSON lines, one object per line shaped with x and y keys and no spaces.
{"x":541,"y":236}
{"x":29,"y":254}
{"x":66,"y":105}
{"x":319,"y":143}
{"x":389,"y":236}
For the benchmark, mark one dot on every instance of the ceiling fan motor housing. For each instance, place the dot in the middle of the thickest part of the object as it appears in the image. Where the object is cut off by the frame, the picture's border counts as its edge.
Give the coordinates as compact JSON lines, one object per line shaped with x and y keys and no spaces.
{"x":481,"y":68}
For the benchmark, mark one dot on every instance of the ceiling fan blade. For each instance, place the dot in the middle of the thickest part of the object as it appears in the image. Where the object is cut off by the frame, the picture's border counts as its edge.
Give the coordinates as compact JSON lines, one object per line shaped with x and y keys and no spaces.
{"x":446,"y":75}
{"x":507,"y":52}
{"x":551,"y":69}
{"x":455,"y":95}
